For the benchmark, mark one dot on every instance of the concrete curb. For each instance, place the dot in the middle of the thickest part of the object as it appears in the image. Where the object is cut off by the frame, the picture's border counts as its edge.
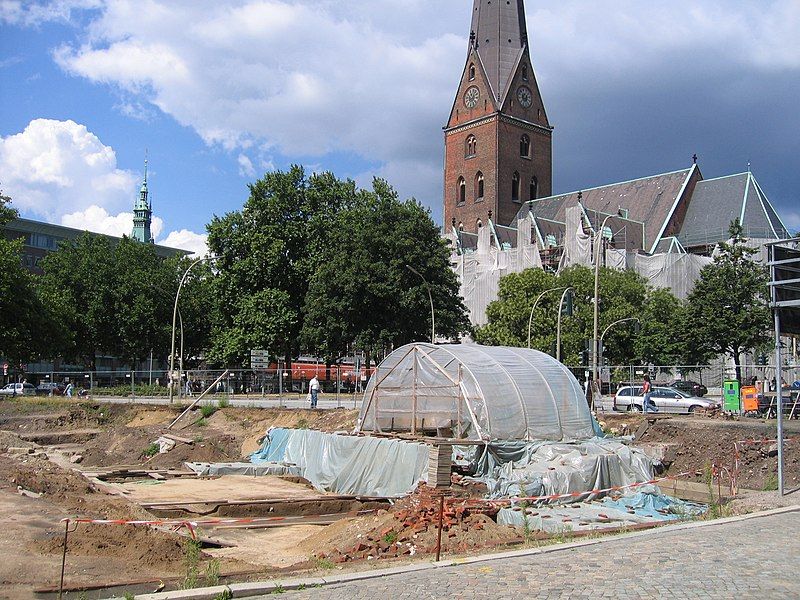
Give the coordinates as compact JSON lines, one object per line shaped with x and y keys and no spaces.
{"x":248,"y":590}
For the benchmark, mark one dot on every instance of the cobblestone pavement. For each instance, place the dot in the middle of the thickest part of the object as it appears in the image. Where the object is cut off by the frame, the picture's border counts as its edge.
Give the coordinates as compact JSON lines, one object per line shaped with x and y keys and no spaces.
{"x":756,"y":558}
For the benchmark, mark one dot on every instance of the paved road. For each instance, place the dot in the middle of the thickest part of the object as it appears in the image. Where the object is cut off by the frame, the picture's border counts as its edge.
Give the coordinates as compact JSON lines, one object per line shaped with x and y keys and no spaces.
{"x":757,"y":558}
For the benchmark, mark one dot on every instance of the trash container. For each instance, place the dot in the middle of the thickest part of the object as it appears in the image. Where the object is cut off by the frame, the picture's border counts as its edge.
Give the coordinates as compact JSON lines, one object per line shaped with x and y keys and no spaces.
{"x":731,"y":396}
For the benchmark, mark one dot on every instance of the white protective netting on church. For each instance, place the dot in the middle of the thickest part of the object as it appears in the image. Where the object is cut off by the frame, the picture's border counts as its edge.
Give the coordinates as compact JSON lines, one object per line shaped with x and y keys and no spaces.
{"x":476,"y":392}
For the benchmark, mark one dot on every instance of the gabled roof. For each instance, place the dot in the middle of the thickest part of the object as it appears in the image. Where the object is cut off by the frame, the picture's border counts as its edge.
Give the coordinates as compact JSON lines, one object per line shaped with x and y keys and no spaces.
{"x":649,"y":200}
{"x":717,"y":202}
{"x":500,"y":37}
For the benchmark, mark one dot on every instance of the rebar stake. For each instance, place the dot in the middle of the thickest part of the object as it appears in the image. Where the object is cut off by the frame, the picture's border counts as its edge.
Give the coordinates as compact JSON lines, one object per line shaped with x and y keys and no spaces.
{"x":441,"y":520}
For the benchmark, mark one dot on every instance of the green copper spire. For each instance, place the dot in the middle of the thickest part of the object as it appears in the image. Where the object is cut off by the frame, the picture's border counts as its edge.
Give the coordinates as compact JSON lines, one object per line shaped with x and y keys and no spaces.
{"x":143,"y":213}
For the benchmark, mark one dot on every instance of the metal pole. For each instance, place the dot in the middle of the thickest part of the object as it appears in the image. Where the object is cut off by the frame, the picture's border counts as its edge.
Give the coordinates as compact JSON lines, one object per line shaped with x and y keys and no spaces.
{"x":150,"y":379}
{"x":63,"y":559}
{"x":778,"y":372}
{"x":441,"y":523}
{"x":558,"y":328}
{"x":595,"y":339}
{"x":175,"y":318}
{"x":533,"y":308}
{"x":338,"y":386}
{"x":180,"y":362}
{"x":430,"y":298}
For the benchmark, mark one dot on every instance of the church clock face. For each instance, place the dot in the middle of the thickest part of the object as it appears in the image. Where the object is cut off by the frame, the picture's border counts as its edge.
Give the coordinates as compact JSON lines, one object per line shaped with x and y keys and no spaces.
{"x":525,"y":97}
{"x":471,"y":97}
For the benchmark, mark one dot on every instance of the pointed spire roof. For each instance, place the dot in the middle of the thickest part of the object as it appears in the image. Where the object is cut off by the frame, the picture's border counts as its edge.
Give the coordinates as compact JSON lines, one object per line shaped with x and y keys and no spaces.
{"x":500,"y":35}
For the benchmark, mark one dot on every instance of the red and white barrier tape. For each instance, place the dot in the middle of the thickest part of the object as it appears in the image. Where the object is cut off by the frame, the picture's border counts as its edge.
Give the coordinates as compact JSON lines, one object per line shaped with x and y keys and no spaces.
{"x":737,"y":457}
{"x":616,"y":488}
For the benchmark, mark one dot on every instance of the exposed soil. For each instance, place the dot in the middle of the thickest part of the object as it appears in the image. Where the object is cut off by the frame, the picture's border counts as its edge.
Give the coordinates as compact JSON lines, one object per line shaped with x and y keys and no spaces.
{"x":116,"y":435}
{"x":701,"y":442}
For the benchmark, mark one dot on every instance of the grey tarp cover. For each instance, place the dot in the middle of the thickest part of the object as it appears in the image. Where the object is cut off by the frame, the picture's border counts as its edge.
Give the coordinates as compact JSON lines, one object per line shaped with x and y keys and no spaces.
{"x":241,"y":468}
{"x":479,"y":392}
{"x":545,"y":468}
{"x":344,"y":464}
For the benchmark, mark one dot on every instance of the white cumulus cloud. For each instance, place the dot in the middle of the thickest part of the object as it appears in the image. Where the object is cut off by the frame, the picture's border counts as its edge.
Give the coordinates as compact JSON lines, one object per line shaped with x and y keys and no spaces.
{"x":56,"y":167}
{"x":97,"y":219}
{"x":184,"y":239}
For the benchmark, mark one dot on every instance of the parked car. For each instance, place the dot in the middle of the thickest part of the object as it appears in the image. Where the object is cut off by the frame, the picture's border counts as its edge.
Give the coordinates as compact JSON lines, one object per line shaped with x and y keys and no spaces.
{"x":49,"y":388}
{"x":690,"y":387}
{"x":18,"y":389}
{"x":666,"y":399}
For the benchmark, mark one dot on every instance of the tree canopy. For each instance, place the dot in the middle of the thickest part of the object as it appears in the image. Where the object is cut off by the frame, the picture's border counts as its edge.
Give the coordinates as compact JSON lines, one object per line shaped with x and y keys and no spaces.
{"x":314,"y":262}
{"x":728,"y":309}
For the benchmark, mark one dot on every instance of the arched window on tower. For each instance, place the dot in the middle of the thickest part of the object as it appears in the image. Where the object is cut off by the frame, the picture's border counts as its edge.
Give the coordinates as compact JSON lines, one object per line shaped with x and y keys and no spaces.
{"x":471,"y":147}
{"x":462,"y":190}
{"x":525,"y":146}
{"x":515,"y":187}
{"x":460,"y":226}
{"x":471,"y":72}
{"x":524,"y":72}
{"x":478,"y":224}
{"x":478,"y":186}
{"x":534,"y":191}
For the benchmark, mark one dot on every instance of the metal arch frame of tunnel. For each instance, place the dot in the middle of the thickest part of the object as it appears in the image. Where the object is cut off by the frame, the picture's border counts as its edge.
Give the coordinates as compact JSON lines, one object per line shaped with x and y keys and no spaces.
{"x":463,"y":396}
{"x":518,"y":360}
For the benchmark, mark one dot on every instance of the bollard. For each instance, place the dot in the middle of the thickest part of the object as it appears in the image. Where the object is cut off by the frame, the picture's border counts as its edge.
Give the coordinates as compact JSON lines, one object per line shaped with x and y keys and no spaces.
{"x":439,"y":535}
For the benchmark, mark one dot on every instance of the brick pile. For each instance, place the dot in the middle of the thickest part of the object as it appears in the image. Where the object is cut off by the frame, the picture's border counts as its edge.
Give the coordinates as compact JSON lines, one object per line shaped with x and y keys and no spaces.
{"x":414,"y":527}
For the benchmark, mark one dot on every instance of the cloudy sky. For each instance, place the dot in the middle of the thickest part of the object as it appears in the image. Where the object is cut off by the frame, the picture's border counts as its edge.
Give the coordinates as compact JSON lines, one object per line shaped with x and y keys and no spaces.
{"x":220,"y":91}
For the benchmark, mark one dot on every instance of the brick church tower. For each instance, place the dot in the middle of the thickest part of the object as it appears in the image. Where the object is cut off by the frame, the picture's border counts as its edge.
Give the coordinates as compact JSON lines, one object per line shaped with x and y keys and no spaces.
{"x":498,"y":142}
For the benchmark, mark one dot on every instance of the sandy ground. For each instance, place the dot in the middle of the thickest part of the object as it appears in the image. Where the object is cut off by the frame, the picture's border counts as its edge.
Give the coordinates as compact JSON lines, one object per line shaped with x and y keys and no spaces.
{"x":120,"y":435}
{"x":228,"y":487}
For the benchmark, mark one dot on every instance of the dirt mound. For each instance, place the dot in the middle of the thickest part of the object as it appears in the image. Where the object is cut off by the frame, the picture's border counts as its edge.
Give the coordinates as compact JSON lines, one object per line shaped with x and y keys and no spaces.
{"x":9,"y":439}
{"x":145,"y":547}
{"x":702,"y":443}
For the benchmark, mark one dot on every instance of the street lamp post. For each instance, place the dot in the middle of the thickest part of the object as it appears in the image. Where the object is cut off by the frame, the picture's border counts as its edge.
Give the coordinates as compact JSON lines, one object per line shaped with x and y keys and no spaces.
{"x":558,"y":328}
{"x":430,"y":298}
{"x":174,"y":319}
{"x":533,"y":308}
{"x":598,"y":240}
{"x":614,"y":324}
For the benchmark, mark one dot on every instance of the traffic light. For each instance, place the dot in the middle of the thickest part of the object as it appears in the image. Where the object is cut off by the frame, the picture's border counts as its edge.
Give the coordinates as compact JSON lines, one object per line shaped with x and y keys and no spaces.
{"x":761,"y":360}
{"x":585,"y":354}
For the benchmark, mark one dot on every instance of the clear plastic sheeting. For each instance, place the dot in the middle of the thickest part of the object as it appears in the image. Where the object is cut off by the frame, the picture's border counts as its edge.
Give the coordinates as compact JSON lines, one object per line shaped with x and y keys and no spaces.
{"x":631,"y":509}
{"x":344,"y":464}
{"x":547,"y":468}
{"x":476,"y":392}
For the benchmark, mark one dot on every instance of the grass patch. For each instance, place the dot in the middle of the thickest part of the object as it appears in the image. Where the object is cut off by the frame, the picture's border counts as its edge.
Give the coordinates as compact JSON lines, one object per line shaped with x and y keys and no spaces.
{"x":191,"y":559}
{"x":390,"y":538}
{"x":151,"y":450}
{"x":323,"y":563}
{"x":202,"y":422}
{"x":207,"y":410}
{"x":224,"y":595}
{"x":770,"y":483}
{"x":301,"y":424}
{"x":212,"y":572}
{"x":223,"y":402}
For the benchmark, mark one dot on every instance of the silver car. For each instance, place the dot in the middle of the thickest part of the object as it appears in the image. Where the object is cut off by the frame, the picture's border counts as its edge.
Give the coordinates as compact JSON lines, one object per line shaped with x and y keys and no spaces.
{"x":18,"y":389}
{"x":666,"y":400}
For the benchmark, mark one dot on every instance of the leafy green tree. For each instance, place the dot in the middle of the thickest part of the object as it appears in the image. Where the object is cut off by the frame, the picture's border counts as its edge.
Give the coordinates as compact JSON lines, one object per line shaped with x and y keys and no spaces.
{"x":78,"y":279}
{"x":364,"y":291}
{"x":27,"y":325}
{"x":622,"y":295}
{"x":728,"y":310}
{"x":268,"y":253}
{"x":661,"y":339}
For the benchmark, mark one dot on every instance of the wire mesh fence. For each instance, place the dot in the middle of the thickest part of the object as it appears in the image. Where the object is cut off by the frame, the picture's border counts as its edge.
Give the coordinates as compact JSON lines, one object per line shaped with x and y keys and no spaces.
{"x":338,"y":386}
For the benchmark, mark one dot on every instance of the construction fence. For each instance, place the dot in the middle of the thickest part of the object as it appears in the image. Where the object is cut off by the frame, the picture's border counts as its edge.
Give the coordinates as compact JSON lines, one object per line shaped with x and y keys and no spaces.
{"x":284,"y":386}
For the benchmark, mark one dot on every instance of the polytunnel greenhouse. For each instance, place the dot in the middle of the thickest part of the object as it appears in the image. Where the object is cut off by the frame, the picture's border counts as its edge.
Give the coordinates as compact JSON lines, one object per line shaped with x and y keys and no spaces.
{"x":476,"y":392}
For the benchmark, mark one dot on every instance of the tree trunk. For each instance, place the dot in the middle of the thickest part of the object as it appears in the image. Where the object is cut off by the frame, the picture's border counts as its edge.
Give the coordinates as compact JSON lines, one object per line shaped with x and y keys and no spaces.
{"x":737,"y":363}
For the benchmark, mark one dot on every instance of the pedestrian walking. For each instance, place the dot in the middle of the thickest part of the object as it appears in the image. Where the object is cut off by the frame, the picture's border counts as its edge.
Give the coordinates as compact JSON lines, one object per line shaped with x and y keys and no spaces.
{"x":647,"y":391}
{"x":68,"y":390}
{"x":313,"y":390}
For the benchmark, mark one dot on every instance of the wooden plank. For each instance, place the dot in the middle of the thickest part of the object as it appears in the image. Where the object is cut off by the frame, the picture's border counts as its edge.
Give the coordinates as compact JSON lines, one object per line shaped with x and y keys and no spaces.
{"x":177,"y":438}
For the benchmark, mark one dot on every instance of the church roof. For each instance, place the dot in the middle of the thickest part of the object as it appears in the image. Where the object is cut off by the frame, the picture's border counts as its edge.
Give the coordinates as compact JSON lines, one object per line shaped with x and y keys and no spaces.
{"x":501,"y":37}
{"x":650,"y":200}
{"x":717,"y":202}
